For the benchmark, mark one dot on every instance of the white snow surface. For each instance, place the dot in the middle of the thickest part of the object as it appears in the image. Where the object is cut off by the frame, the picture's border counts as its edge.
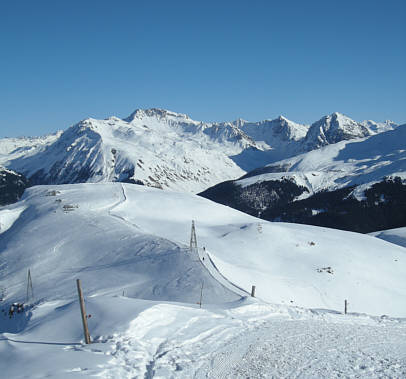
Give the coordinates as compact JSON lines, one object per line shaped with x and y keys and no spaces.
{"x":361,"y":162}
{"x":128,"y":245}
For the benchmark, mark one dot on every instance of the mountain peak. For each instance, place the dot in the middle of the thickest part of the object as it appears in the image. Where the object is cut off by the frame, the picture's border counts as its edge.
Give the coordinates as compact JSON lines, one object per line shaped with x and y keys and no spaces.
{"x":155,"y":112}
{"x":282,"y":118}
{"x":334,"y":128}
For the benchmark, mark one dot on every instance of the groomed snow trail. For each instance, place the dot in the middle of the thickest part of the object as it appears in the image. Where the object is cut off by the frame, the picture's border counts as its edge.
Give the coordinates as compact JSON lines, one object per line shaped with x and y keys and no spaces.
{"x":312,"y":349}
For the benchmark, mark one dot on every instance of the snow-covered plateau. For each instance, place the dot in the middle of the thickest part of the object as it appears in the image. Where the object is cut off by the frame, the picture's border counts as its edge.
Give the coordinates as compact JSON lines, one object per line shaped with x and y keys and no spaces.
{"x":157,"y":309}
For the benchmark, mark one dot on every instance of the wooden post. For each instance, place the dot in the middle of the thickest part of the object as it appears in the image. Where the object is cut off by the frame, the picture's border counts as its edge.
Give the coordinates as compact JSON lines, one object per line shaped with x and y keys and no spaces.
{"x":345,"y":307}
{"x":201,"y":295}
{"x":83,"y":311}
{"x":253,"y":291}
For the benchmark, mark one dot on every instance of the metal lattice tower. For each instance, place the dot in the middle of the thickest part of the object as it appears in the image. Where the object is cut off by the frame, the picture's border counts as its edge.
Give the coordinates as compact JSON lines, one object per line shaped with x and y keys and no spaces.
{"x":193,"y":239}
{"x":30,"y":290}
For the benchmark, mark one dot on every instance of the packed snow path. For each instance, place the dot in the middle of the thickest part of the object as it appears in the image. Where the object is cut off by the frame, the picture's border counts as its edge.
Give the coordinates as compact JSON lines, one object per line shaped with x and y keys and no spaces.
{"x":254,"y":340}
{"x":311,"y":349}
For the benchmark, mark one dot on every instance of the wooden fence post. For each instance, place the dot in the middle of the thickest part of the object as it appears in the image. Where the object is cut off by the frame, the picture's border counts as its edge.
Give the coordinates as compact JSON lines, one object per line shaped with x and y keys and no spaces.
{"x":83,"y":312}
{"x":253,"y":291}
{"x":201,"y":295}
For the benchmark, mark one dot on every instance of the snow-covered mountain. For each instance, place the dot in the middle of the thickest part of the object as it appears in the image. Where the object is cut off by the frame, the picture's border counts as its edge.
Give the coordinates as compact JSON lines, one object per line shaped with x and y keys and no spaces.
{"x":165,"y":149}
{"x":143,"y":288}
{"x":154,"y":147}
{"x":350,"y":175}
{"x":332,"y":129}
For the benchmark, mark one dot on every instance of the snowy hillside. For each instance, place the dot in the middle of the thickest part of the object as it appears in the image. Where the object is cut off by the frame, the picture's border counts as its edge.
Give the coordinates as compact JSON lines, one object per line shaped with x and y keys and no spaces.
{"x":356,"y":185}
{"x":128,"y":245}
{"x":346,"y":163}
{"x":164,"y":149}
{"x":105,"y":229}
{"x":396,"y":236}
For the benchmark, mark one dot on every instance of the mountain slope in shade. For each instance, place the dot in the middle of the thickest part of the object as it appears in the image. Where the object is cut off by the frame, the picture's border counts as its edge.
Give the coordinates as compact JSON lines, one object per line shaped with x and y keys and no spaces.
{"x":12,"y":186}
{"x":165,"y":149}
{"x":396,"y":236}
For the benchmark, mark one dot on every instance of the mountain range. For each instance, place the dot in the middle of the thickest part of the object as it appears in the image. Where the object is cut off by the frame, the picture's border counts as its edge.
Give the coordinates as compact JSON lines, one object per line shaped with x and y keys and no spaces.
{"x":164,"y":149}
{"x":288,"y":171}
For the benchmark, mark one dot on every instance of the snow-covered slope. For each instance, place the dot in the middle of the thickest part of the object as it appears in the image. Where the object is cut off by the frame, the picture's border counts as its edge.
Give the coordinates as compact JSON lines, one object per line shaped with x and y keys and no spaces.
{"x":360,"y":162}
{"x":379,"y":127}
{"x":134,"y":238}
{"x":396,"y":236}
{"x":165,"y":149}
{"x":128,"y":245}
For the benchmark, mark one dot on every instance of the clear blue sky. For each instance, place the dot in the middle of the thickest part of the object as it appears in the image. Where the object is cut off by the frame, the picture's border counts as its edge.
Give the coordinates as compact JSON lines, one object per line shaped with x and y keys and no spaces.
{"x":62,"y":61}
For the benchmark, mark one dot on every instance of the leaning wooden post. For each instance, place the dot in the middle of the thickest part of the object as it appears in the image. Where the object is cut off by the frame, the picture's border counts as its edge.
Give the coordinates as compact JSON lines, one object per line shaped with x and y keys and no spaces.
{"x":83,"y":311}
{"x":345,"y":307}
{"x":253,"y":291}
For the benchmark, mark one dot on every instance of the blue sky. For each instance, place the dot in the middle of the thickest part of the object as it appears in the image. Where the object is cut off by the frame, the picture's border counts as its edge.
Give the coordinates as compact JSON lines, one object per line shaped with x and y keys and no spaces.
{"x":62,"y":61}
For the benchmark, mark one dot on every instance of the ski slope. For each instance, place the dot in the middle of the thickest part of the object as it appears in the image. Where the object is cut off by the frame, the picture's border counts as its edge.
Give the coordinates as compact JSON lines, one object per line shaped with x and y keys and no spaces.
{"x":129,"y":246}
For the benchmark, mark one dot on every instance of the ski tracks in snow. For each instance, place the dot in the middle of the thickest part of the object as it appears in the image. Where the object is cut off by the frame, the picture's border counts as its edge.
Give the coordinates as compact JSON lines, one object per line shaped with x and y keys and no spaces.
{"x":168,"y":341}
{"x":120,"y":202}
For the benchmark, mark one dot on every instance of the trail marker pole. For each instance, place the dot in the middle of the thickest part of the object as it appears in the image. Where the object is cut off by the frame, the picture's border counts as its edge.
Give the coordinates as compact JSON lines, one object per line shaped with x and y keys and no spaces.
{"x":345,"y":306}
{"x":29,"y":287}
{"x":83,"y":312}
{"x":253,"y":291}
